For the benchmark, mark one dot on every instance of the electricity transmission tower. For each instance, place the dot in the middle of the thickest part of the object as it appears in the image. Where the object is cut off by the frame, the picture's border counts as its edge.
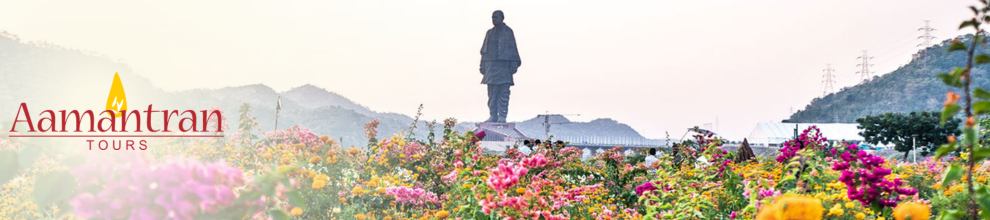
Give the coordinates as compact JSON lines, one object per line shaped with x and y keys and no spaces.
{"x":828,"y":79}
{"x":926,"y":41}
{"x":547,"y":123}
{"x":864,"y":65}
{"x":926,"y":35}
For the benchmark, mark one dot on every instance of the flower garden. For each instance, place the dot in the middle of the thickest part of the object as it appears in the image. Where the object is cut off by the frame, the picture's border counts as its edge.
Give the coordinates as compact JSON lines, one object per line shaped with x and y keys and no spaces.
{"x":296,"y":174}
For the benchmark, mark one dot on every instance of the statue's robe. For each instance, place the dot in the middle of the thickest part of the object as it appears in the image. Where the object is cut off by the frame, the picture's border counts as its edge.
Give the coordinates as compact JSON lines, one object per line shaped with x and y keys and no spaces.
{"x":499,"y":56}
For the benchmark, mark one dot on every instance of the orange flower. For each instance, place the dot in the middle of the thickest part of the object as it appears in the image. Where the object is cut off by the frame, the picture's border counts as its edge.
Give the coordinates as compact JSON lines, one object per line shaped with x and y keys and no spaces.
{"x":952,"y":139}
{"x":970,"y":122}
{"x":353,"y":151}
{"x":951,"y":98}
{"x":442,"y":214}
{"x":296,"y":211}
{"x":912,"y":211}
{"x":792,"y":207}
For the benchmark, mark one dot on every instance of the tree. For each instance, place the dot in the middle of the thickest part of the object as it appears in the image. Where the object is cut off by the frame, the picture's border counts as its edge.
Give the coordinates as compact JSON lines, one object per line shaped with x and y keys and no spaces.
{"x":247,"y":124}
{"x":905,"y":130}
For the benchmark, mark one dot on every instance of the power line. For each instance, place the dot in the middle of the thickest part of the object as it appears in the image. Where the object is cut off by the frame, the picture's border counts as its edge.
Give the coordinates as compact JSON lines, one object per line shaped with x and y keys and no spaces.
{"x":864,"y":65}
{"x":828,"y":79}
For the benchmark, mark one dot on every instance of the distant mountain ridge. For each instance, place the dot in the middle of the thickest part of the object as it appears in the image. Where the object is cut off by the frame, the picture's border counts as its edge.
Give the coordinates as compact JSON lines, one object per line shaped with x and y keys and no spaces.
{"x":911,"y":87}
{"x":30,"y":71}
{"x":563,"y":127}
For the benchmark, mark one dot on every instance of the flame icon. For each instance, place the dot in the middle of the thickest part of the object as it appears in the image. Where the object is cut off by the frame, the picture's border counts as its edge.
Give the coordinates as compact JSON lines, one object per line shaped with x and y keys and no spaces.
{"x":116,"y":100}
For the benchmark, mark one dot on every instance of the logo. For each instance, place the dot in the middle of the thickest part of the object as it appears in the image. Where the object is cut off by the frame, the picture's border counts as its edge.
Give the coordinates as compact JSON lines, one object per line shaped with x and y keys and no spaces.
{"x":116,"y":100}
{"x":117,"y":127}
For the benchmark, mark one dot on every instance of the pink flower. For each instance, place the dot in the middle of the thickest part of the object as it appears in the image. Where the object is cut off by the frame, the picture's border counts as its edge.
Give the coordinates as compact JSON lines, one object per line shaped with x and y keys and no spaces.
{"x":487,"y":205}
{"x":766,"y":193}
{"x":534,"y":161}
{"x":412,"y":196}
{"x":573,"y":195}
{"x":294,"y":135}
{"x":479,"y":136}
{"x":645,"y":187}
{"x":180,"y":189}
{"x":514,"y":202}
{"x":864,"y":176}
{"x":505,"y":175}
{"x":549,"y":216}
{"x":810,"y":137}
{"x":450,"y":177}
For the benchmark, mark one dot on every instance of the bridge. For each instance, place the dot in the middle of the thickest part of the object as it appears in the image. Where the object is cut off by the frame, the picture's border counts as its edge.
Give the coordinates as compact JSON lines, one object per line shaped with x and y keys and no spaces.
{"x":600,"y":143}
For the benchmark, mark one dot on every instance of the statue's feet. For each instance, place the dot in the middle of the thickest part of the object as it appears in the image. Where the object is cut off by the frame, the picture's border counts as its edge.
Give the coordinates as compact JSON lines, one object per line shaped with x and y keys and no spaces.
{"x":492,"y":119}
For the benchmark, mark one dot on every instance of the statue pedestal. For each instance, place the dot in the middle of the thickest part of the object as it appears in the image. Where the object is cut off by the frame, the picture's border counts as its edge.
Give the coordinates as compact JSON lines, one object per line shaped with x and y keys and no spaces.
{"x":499,"y":136}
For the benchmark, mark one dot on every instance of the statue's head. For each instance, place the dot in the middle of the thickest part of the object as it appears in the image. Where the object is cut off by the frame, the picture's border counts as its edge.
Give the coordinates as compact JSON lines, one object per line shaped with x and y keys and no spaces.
{"x":497,"y":17}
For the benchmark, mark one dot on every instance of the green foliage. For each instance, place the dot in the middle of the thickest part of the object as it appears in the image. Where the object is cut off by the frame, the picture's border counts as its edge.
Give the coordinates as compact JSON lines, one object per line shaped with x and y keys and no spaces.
{"x":977,"y":202}
{"x":905,"y":130}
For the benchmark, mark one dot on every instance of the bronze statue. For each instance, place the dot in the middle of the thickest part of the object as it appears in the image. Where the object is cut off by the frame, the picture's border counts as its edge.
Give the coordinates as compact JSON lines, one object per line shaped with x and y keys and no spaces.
{"x":499,"y":61}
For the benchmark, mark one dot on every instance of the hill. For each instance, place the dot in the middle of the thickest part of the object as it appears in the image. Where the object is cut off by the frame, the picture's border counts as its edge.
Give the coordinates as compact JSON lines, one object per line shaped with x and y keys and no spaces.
{"x":911,"y":87}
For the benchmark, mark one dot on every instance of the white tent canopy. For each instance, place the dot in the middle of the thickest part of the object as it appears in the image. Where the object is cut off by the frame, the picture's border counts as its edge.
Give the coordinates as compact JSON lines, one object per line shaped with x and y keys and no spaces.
{"x":774,"y":133}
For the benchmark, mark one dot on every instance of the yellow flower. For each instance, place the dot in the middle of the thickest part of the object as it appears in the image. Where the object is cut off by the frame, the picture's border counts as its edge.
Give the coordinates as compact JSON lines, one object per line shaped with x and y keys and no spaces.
{"x":314,"y":159}
{"x":357,"y":190}
{"x":441,"y":214}
{"x":792,"y":207}
{"x":319,"y":184}
{"x":860,"y":216}
{"x":320,"y":181}
{"x":360,"y":216}
{"x":850,"y":204}
{"x":912,"y":211}
{"x":296,"y":211}
{"x":836,"y":210}
{"x":520,"y":190}
{"x":953,"y":189}
{"x":286,"y":158}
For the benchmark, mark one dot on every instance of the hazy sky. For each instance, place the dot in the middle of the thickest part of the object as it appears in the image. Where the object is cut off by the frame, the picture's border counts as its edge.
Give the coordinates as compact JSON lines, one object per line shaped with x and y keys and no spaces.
{"x":658,"y":65}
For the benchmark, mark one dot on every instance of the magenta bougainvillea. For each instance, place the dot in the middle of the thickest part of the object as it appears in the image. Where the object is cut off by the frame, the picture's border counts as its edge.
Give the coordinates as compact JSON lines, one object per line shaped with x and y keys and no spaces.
{"x":809,"y":138}
{"x":865,"y":178}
